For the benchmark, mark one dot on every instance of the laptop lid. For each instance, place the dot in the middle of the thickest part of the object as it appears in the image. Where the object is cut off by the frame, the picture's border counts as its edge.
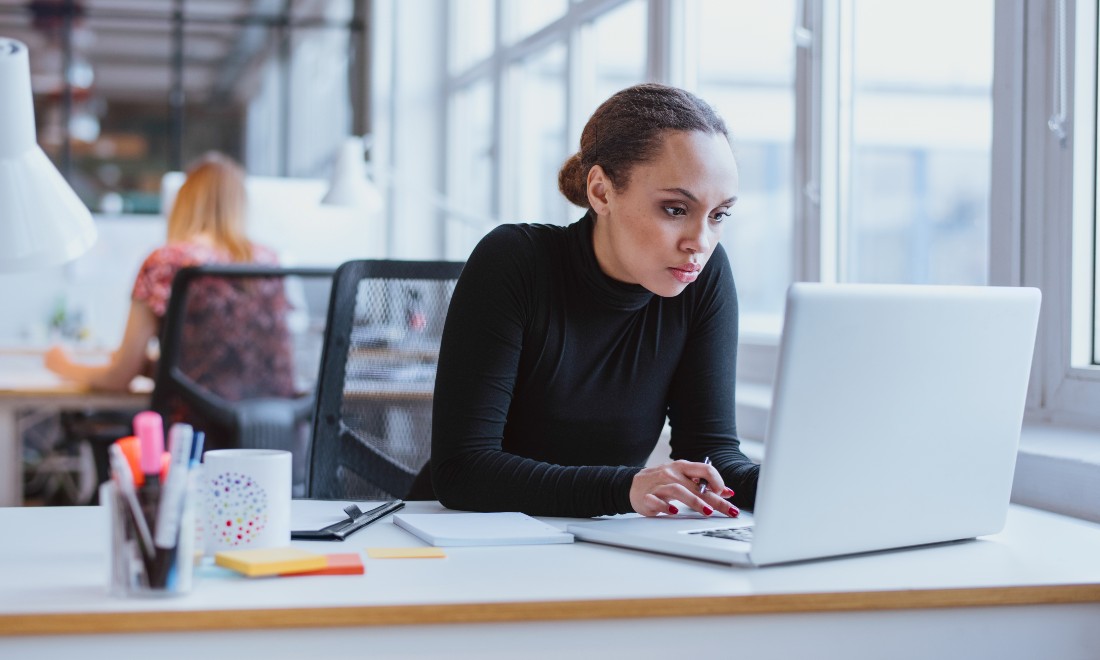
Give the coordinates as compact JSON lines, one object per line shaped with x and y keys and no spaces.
{"x":895,"y":418}
{"x":895,"y":422}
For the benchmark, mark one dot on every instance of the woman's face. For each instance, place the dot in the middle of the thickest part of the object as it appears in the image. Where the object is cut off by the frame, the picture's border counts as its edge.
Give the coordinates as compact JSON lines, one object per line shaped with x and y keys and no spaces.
{"x":660,"y":230}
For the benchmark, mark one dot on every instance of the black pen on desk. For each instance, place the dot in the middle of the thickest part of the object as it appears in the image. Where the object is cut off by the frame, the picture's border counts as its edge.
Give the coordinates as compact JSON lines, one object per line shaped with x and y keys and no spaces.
{"x":703,"y":484}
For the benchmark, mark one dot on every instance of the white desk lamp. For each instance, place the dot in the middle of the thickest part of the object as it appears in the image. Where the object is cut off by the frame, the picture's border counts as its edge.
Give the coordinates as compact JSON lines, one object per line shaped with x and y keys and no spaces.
{"x":42,"y":221}
{"x":350,"y":185}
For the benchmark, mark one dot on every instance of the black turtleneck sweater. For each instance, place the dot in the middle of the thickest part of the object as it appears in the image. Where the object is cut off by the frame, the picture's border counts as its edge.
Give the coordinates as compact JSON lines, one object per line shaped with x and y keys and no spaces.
{"x":555,"y":380}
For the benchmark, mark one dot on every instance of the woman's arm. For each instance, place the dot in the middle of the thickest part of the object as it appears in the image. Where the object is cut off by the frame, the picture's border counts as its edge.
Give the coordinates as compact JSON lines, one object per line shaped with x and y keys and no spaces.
{"x":127,"y":361}
{"x":479,"y":366}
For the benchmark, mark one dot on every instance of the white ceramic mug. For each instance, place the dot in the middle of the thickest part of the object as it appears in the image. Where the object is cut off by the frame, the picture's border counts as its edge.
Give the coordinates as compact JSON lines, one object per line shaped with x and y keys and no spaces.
{"x":246,"y":499}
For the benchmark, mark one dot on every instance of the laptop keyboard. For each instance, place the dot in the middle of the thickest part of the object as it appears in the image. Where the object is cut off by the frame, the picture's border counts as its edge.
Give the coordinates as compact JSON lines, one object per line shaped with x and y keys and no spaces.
{"x":729,"y":533}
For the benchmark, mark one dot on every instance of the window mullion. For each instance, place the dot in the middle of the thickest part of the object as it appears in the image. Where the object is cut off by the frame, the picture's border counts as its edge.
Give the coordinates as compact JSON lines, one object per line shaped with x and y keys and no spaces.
{"x":806,"y":234}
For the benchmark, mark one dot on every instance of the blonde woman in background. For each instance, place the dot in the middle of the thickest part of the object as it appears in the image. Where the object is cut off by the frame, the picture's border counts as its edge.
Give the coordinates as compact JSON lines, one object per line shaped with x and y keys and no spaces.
{"x":206,"y":226}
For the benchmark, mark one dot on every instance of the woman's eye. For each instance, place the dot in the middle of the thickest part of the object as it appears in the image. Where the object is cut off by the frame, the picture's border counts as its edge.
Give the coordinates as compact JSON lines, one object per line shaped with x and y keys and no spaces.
{"x":675,"y":210}
{"x":720,"y":216}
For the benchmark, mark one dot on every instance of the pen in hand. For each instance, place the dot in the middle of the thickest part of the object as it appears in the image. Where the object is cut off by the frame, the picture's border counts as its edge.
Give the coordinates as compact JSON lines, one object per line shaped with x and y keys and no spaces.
{"x":703,"y":485}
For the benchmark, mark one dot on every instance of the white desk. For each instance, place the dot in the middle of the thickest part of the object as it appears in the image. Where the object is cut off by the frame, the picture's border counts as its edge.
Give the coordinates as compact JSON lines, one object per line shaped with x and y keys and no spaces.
{"x":26,"y":384}
{"x":1032,"y":591}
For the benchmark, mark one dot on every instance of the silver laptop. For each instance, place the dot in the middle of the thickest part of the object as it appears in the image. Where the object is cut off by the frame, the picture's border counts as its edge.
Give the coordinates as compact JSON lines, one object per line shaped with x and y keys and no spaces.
{"x":895,"y":422}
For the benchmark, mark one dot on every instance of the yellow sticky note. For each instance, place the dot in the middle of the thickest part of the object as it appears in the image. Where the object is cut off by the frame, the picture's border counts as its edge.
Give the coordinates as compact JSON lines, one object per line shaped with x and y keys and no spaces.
{"x":270,"y":561}
{"x":406,"y":553}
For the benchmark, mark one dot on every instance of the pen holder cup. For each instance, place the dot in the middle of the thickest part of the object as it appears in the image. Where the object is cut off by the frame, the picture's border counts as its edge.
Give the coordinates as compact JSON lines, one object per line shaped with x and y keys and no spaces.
{"x":140,"y":563}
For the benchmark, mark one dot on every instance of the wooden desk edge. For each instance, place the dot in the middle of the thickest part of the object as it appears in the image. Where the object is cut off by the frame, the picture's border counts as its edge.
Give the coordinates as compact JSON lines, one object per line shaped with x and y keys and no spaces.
{"x":510,"y":612}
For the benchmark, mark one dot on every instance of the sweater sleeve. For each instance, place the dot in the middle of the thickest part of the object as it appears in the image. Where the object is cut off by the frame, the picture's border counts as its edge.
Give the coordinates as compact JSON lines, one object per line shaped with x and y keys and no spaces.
{"x":701,"y":397}
{"x":478,"y":365}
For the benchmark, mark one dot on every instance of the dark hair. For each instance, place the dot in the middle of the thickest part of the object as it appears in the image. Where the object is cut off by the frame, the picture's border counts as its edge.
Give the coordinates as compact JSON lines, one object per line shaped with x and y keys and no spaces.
{"x":627,"y":129}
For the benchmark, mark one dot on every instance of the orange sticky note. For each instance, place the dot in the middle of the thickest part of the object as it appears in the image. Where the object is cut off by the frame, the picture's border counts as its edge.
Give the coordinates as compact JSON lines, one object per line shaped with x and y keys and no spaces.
{"x":349,"y":563}
{"x":406,"y":553}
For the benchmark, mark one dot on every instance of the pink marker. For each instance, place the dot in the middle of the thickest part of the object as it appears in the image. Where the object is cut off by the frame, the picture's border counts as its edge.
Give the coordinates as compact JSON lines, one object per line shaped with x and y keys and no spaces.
{"x":149,"y":428}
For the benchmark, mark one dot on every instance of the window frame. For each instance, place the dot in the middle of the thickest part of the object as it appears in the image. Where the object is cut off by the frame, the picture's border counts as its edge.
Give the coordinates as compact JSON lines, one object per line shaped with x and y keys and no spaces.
{"x":1056,"y":213}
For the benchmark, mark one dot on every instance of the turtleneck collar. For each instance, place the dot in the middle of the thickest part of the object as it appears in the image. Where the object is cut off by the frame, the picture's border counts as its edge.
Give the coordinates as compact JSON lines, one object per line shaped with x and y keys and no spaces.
{"x":605,"y":290}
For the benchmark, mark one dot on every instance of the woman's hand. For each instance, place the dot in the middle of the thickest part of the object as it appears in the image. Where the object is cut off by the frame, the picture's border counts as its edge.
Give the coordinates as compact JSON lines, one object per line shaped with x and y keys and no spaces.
{"x":57,"y":360}
{"x":654,"y":489}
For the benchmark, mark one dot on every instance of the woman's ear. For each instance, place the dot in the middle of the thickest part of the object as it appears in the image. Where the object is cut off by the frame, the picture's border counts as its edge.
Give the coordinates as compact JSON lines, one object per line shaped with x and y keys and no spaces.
{"x":599,"y":186}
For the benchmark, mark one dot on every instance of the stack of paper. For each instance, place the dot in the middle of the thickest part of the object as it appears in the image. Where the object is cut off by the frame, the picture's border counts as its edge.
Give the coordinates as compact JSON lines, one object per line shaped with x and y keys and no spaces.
{"x":501,"y":528}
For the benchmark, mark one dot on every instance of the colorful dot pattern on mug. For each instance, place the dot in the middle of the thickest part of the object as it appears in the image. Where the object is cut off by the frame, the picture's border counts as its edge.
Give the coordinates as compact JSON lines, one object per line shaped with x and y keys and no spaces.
{"x":239,"y":508}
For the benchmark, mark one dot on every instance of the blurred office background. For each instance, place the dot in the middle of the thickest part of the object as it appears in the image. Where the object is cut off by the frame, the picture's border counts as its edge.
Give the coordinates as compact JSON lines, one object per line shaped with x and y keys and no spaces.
{"x":879,"y":140}
{"x":474,"y":104}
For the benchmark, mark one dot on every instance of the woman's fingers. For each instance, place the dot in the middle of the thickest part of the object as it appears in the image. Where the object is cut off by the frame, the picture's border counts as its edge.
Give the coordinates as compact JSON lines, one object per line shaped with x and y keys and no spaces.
{"x":655,"y":489}
{"x":706,"y":505}
{"x":655,"y":506}
{"x":700,"y":472}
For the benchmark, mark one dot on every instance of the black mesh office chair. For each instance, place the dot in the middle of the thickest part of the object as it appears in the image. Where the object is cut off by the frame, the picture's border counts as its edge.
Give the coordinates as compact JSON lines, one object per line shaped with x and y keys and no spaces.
{"x":239,"y":353}
{"x":372,"y":428}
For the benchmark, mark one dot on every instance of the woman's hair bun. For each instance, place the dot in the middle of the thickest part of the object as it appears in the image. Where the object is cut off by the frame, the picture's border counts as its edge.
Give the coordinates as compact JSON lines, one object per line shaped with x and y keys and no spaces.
{"x":573,"y":181}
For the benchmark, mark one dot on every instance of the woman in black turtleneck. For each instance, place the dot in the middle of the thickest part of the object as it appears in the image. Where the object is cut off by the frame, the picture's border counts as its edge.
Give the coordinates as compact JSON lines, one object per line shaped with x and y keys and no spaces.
{"x":565,"y":348}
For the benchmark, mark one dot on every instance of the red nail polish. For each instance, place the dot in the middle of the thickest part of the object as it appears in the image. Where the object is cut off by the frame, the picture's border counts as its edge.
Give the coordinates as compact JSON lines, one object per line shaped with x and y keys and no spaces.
{"x":734,"y":512}
{"x":673,"y":510}
{"x":727,"y":492}
{"x":707,"y":510}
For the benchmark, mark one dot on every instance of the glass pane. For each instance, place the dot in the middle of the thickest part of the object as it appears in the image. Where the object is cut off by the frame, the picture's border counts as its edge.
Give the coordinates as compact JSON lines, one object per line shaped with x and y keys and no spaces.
{"x":620,"y":43}
{"x":538,"y":113}
{"x":524,"y":17}
{"x":472,"y":25}
{"x":920,"y":152}
{"x":746,"y":71}
{"x":470,"y":175}
{"x":319,"y":100}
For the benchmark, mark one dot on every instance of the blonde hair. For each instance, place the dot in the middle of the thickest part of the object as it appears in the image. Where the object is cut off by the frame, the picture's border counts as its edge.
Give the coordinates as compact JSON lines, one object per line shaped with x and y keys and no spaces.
{"x":212,"y":201}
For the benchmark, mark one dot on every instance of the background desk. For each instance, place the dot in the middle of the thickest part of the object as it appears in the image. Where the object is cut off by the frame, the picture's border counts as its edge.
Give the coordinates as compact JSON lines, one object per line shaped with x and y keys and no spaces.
{"x":1032,"y":591}
{"x":25,"y":383}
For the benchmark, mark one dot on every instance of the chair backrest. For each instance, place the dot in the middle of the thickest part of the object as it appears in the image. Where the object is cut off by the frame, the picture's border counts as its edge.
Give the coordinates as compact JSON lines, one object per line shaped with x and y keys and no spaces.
{"x":240,"y":349}
{"x":372,"y":426}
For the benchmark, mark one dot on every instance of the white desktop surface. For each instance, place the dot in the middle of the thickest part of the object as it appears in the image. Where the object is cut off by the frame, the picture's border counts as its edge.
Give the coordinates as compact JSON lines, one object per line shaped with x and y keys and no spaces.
{"x":53,"y":570}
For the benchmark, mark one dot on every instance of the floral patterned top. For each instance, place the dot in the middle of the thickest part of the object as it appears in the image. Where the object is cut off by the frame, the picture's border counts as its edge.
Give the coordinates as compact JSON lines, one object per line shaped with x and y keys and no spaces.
{"x":234,"y":342}
{"x":154,"y":280}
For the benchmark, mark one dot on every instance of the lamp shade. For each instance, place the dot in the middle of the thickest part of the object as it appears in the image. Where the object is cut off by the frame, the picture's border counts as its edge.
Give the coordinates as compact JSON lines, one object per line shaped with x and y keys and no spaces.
{"x":350,"y":185}
{"x":42,"y":221}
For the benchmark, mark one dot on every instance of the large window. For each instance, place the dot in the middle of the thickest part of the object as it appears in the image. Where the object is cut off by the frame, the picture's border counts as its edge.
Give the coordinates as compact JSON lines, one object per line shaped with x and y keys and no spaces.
{"x":879,"y":141}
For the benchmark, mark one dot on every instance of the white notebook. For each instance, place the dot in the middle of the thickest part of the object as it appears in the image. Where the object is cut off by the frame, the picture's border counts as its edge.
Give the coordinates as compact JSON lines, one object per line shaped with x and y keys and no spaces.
{"x":500,"y":528}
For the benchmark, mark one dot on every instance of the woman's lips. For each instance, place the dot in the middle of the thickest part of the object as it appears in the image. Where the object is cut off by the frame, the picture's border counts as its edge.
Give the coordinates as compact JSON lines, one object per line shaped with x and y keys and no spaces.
{"x":686,"y":273}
